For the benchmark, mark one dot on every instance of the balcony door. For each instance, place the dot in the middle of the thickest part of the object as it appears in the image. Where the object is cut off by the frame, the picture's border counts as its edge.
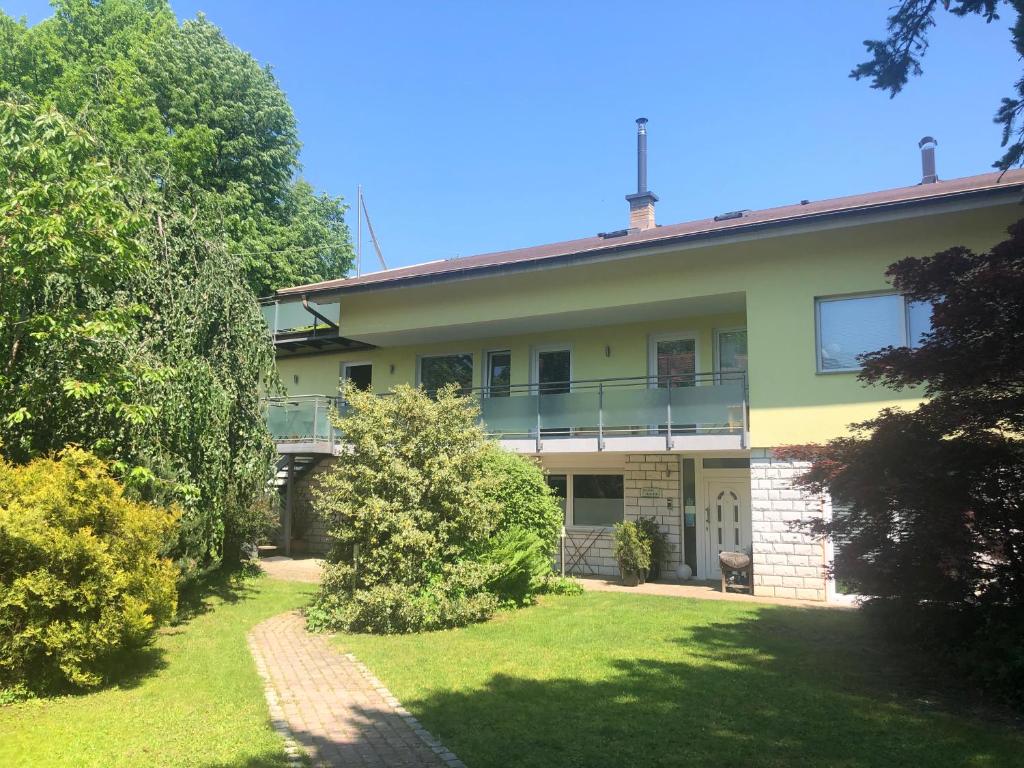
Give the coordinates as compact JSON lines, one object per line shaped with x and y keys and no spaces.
{"x":552,"y":367}
{"x":499,"y":373}
{"x":358,"y":374}
{"x":673,"y":360}
{"x":552,"y":376}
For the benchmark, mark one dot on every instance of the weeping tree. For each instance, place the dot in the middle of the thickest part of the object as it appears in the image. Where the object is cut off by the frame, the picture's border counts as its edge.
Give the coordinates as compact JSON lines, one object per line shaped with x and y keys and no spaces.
{"x":206,"y":446}
{"x":155,"y":194}
{"x":125,"y":331}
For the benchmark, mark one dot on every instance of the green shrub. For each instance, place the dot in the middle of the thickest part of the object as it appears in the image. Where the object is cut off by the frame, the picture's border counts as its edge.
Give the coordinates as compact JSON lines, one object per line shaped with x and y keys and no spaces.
{"x":81,"y":578}
{"x":632,"y":550}
{"x":561,"y":585}
{"x":516,"y":484}
{"x":520,"y":562}
{"x":660,"y":546}
{"x":387,"y":609}
{"x":434,"y":526}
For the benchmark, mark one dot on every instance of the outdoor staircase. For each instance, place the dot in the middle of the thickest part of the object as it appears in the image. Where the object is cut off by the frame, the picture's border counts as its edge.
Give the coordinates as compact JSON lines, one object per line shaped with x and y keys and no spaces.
{"x":301,"y":465}
{"x":304,"y":463}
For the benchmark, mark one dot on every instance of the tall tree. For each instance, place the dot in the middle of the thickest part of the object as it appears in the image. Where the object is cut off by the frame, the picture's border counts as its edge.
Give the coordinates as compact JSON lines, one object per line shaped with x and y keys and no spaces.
{"x":898,"y":57}
{"x":931,"y":501}
{"x":211,"y":126}
{"x":124,"y":330}
{"x":68,"y":242}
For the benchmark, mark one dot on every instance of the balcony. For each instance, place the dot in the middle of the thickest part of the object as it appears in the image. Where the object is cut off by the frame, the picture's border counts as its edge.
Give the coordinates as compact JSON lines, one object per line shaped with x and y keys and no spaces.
{"x":303,"y":327}
{"x":704,"y":411}
{"x":302,"y":424}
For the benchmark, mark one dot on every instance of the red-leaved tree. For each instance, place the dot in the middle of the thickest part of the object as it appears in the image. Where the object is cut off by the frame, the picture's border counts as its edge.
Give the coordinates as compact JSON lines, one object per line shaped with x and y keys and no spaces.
{"x":930,"y":502}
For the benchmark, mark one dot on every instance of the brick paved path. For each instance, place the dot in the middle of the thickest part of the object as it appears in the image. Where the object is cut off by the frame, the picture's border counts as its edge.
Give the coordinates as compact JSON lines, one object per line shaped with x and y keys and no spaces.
{"x":333,"y":707}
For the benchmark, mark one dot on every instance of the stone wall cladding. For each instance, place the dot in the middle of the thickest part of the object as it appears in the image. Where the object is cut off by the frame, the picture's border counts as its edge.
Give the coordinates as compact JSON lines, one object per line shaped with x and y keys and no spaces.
{"x":787,"y":563}
{"x":659,"y":471}
{"x":315,"y":538}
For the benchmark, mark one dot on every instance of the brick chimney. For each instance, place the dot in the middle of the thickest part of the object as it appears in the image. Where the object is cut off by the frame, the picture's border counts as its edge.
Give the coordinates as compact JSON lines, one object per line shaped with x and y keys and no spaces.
{"x":641,"y":204}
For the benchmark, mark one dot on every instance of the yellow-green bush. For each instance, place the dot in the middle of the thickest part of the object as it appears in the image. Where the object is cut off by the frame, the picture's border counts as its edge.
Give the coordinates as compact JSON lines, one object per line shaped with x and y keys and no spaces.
{"x":81,"y":576}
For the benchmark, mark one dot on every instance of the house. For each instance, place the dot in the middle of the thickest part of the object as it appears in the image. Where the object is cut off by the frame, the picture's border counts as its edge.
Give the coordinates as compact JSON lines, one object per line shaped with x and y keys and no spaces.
{"x":654,"y":369}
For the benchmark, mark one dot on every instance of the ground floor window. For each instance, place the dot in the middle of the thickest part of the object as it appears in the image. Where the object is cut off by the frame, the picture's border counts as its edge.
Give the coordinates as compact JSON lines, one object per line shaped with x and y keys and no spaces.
{"x":590,"y":499}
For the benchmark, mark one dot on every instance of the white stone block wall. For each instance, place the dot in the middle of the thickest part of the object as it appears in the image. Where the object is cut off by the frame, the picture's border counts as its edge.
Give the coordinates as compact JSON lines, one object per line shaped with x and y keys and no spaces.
{"x":787,"y":562}
{"x":658,"y":471}
{"x":599,"y":557}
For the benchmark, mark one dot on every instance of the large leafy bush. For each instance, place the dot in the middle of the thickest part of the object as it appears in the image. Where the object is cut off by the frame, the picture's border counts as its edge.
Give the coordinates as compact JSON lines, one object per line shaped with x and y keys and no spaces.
{"x":524,"y":499}
{"x":81,"y":577}
{"x":521,"y":565}
{"x":423,"y":539}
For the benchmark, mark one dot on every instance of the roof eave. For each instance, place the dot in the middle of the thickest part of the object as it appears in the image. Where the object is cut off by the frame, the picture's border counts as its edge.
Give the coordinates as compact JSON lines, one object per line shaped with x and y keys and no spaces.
{"x":667,"y":242}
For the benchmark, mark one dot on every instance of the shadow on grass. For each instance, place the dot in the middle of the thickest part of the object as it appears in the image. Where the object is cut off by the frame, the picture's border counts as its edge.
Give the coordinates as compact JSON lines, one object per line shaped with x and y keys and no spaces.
{"x":131,"y":666}
{"x":275,"y":760}
{"x":783,"y":687}
{"x":227,"y":584}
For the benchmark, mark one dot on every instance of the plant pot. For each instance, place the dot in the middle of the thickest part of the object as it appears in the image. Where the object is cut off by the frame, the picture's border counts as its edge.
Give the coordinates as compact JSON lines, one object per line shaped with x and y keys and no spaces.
{"x":630,"y":578}
{"x":654,"y":572}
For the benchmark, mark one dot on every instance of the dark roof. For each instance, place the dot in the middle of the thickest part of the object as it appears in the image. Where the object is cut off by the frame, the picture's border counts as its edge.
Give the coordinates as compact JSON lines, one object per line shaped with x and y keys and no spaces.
{"x":450,"y":268}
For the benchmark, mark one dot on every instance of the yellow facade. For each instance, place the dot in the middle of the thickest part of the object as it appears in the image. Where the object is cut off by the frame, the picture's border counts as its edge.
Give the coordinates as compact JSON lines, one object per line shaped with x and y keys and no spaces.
{"x":606,"y":311}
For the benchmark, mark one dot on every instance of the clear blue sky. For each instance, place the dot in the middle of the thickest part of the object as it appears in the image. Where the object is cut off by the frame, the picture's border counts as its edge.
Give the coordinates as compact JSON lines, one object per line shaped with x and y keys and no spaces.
{"x":482,"y":126}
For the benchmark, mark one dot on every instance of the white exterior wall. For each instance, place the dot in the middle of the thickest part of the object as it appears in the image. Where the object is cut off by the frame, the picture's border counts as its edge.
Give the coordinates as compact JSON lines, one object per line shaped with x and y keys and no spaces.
{"x":658,"y":472}
{"x":787,"y":563}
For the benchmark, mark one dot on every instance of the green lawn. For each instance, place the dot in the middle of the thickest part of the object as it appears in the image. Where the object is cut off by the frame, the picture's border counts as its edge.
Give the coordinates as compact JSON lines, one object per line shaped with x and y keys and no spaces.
{"x":631,"y":680}
{"x":193,"y":699}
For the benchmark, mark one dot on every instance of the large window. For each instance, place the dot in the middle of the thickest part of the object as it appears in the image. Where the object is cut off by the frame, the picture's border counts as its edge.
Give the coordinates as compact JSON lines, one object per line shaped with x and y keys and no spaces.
{"x":439,"y":370}
{"x":594,"y":500}
{"x":852,"y":326}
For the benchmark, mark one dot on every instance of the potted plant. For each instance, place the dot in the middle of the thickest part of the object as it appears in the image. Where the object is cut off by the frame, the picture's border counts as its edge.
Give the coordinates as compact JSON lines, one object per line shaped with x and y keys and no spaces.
{"x":632,"y":552}
{"x":660,"y":547}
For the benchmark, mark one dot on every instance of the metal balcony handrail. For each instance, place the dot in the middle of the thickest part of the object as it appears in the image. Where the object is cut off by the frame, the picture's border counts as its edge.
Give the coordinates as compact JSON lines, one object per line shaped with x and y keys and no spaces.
{"x":662,"y":425}
{"x":575,"y":385}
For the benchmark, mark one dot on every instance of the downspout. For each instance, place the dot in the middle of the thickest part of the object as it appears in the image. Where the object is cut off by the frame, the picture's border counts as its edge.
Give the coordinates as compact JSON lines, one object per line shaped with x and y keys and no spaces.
{"x":317,"y":315}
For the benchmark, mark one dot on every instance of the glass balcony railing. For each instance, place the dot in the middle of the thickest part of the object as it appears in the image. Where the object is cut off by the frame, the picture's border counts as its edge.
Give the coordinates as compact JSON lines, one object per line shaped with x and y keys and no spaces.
{"x":292,"y":318}
{"x":691,"y":404}
{"x":302,"y":419}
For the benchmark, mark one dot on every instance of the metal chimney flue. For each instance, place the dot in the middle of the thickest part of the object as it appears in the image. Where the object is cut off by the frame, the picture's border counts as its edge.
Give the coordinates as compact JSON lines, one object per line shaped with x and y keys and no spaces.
{"x":641,"y":155}
{"x":927,"y":146}
{"x":641,"y":203}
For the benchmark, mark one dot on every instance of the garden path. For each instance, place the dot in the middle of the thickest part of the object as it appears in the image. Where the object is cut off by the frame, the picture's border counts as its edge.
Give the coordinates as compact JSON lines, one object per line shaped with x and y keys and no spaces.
{"x":329,"y":705}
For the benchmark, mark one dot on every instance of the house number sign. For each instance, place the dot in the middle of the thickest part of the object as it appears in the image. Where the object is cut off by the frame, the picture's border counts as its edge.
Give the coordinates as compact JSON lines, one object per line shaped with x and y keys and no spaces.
{"x":650,"y":493}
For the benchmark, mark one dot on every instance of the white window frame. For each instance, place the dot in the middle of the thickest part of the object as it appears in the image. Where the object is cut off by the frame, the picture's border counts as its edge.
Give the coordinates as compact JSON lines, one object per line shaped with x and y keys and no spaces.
{"x":652,"y":354}
{"x":716,"y":353}
{"x":569,"y":484}
{"x":535,"y":352}
{"x":819,"y":300}
{"x":486,"y":375}
{"x":419,"y":364}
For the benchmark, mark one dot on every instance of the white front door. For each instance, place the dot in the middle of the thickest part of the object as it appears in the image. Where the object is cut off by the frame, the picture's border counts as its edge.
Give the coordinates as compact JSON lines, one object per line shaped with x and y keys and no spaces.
{"x":726,"y":520}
